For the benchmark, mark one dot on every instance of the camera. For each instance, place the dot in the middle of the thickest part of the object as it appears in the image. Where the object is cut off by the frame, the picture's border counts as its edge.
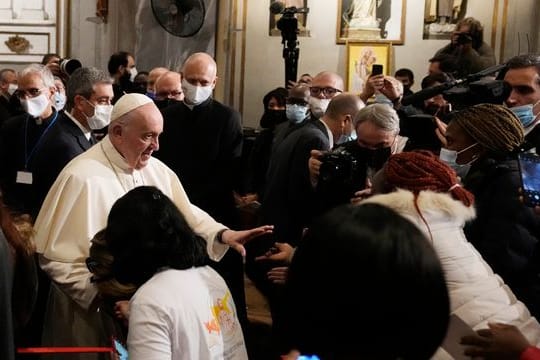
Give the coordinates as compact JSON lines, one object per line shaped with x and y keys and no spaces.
{"x":478,"y":92}
{"x":68,"y":66}
{"x":343,"y":172}
{"x":463,"y":38}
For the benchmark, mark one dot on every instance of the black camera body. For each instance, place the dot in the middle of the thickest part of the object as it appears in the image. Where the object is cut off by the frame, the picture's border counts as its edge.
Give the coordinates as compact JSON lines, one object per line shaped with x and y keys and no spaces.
{"x":463,"y":39}
{"x":342,"y":173}
{"x":478,"y":92}
{"x":68,"y":66}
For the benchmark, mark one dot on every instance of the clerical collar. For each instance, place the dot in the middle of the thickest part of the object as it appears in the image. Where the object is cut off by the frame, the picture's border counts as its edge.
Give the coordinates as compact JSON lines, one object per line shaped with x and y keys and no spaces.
{"x":204,"y":103}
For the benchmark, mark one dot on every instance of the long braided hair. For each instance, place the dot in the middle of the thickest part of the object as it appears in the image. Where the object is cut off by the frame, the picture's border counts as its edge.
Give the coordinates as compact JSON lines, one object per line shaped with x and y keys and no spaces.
{"x":494,"y":127}
{"x":421,"y":170}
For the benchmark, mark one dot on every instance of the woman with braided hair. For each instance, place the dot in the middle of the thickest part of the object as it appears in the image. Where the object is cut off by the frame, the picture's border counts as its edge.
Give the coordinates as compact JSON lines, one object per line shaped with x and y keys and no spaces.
{"x":481,"y":143}
{"x":422,"y":188}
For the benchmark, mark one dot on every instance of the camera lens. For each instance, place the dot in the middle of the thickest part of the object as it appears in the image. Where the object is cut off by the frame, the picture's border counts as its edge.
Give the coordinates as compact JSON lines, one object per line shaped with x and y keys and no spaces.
{"x":68,"y":66}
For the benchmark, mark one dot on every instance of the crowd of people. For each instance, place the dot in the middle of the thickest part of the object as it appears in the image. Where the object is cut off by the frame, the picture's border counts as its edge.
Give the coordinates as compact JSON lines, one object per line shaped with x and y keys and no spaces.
{"x":121,"y":198}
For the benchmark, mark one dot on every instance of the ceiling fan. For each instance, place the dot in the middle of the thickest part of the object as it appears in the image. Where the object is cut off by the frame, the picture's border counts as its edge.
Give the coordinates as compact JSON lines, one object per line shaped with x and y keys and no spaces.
{"x":182,"y":18}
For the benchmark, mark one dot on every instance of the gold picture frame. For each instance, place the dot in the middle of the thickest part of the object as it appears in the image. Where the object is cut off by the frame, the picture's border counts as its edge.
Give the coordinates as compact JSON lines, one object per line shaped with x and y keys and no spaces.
{"x":377,"y":21}
{"x":360,"y":59}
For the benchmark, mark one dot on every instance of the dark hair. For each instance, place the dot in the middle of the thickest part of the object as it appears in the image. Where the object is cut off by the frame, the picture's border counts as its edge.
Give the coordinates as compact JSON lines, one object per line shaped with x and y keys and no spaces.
{"x":431,"y":80}
{"x":524,"y":61}
{"x":116,"y":60}
{"x":280,"y":94}
{"x":447,"y":63}
{"x":48,"y":57}
{"x":405,"y":72}
{"x":476,"y":31}
{"x":145,"y":232}
{"x":403,"y":295}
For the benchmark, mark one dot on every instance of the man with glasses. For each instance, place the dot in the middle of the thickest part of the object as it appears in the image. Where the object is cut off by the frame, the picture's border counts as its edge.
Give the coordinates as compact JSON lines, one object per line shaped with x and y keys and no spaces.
{"x":89,"y":95}
{"x":324,"y":86}
{"x":288,"y":201}
{"x":22,"y":135}
{"x":168,"y":89}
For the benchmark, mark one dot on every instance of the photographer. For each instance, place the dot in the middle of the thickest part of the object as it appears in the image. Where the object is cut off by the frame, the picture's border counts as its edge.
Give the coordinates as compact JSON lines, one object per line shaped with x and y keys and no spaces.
{"x":468,"y":47}
{"x":377,"y":128}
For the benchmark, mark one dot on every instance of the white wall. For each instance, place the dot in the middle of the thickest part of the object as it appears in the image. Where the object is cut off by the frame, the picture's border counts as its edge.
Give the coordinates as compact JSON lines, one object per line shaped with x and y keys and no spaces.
{"x":264,"y":68}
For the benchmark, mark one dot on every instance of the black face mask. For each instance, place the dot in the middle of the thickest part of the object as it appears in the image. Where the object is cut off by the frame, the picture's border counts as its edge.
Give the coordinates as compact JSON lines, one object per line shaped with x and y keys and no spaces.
{"x":166,"y":102}
{"x":272,"y":118}
{"x":376,"y":158}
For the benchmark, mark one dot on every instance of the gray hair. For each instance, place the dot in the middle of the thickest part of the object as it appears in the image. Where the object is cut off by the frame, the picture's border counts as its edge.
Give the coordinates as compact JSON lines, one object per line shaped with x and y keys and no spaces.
{"x":381,"y":115}
{"x":4,"y":72}
{"x":82,"y":82}
{"x":42,"y":71}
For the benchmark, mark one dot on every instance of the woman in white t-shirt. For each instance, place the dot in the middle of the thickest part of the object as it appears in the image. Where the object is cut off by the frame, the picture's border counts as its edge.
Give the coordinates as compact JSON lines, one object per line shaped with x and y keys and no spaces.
{"x":182,"y":308}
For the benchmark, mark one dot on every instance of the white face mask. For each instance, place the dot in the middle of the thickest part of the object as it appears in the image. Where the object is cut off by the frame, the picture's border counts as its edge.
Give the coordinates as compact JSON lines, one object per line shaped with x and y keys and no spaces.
{"x":35,"y":106}
{"x":132,"y":73}
{"x":450,"y":158}
{"x":318,"y":106}
{"x":101,"y":117}
{"x":59,"y":101}
{"x":195,"y":95}
{"x":12,"y":88}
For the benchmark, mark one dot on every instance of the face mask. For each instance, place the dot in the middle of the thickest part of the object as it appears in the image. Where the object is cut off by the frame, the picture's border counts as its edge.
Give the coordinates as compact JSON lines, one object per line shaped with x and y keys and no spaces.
{"x":151,"y":95}
{"x":12,"y":88}
{"x":101,"y":117}
{"x":35,"y":106}
{"x":450,"y":157}
{"x":381,"y":99}
{"x":271,"y":118}
{"x":295,"y":113}
{"x":59,"y":101}
{"x":318,"y":106}
{"x":376,"y":158}
{"x":195,"y":95}
{"x":132,"y":73}
{"x":525,"y":113}
{"x":166,"y":102}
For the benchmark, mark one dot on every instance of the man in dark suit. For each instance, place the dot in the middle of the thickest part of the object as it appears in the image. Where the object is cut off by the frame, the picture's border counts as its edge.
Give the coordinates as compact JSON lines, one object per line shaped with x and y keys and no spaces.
{"x":8,"y":86}
{"x":202,"y":144}
{"x":289,"y":203}
{"x":89,"y":95}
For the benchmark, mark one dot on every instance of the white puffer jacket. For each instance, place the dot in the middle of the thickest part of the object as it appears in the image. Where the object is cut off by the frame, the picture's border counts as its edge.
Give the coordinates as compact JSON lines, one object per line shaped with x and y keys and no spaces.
{"x":477,"y":295}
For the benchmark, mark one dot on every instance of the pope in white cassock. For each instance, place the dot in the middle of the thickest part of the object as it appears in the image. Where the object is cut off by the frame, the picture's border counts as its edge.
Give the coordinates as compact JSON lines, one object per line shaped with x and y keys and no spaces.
{"x":78,"y":204}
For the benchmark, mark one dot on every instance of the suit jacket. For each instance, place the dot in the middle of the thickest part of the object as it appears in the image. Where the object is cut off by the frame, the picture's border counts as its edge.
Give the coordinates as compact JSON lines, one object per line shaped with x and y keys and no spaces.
{"x":203,"y":147}
{"x":289,"y":198}
{"x":60,"y":144}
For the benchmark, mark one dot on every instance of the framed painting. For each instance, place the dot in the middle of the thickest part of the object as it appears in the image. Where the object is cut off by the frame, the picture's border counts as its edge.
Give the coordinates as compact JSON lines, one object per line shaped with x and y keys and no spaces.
{"x":441,"y":17}
{"x":301,"y":16}
{"x":360,"y":60}
{"x":371,"y":21}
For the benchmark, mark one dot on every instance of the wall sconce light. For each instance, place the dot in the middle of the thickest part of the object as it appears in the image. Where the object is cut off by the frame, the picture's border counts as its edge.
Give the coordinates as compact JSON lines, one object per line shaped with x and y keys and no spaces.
{"x":102,"y":10}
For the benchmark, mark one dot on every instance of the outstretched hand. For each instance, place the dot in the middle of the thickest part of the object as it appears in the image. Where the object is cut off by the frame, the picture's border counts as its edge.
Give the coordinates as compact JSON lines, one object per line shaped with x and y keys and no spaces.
{"x":237,"y":239}
{"x":500,"y":341}
{"x":279,"y":252}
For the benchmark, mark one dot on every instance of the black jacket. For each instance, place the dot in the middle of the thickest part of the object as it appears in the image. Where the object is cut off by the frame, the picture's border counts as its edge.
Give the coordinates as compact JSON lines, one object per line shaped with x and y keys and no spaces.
{"x":505,"y":232}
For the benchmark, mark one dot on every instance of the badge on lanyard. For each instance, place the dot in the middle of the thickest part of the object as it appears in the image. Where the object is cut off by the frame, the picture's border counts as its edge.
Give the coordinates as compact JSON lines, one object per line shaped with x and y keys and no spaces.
{"x":24,"y":177}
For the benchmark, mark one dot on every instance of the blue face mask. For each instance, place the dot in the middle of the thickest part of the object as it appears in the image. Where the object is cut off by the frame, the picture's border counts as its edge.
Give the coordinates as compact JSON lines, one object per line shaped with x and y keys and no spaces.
{"x":381,"y":99}
{"x":151,"y":95}
{"x":525,"y":113}
{"x":296,"y":113}
{"x":449,"y":157}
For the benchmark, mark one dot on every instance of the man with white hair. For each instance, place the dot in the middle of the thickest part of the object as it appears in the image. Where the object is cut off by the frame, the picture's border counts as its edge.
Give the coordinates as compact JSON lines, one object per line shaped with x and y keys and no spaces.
{"x":77,"y":206}
{"x":21,"y":135}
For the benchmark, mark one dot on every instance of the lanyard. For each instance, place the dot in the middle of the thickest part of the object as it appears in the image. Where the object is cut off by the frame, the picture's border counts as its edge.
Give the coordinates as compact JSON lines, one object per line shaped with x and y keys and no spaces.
{"x":27,"y":156}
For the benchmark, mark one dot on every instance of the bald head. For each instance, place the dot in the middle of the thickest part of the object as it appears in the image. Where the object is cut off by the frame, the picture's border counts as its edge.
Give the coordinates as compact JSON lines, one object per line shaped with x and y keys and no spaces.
{"x":328,"y":79}
{"x":340,"y":113}
{"x":198,"y":64}
{"x":153,"y":75}
{"x":169,"y":86}
{"x":299,"y":92}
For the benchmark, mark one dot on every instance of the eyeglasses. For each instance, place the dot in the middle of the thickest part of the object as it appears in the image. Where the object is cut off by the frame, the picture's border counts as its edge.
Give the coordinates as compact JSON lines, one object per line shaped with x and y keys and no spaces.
{"x":31,"y":93}
{"x":327,"y":91}
{"x":168,"y":94}
{"x":292,"y":101}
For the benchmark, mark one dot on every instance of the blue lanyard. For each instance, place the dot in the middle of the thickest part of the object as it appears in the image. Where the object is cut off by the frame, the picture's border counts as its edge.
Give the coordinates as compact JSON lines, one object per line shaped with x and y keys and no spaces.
{"x":26,"y":156}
